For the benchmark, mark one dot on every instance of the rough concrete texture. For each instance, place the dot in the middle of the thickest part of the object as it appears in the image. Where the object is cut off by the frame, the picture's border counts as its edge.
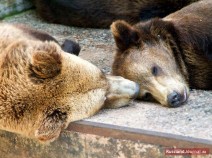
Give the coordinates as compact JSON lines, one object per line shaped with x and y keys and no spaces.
{"x":79,"y":145}
{"x":194,"y":119}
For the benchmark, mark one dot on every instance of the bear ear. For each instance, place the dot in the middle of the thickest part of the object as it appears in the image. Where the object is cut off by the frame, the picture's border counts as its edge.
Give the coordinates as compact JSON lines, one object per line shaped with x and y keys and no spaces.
{"x":51,"y":126}
{"x":45,"y":64}
{"x":124,"y":34}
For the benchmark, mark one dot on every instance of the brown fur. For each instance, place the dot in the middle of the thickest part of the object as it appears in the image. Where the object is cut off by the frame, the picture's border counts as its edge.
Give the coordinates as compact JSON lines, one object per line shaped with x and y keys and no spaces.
{"x":101,"y":13}
{"x":68,"y":45}
{"x":167,"y":55}
{"x":42,"y":88}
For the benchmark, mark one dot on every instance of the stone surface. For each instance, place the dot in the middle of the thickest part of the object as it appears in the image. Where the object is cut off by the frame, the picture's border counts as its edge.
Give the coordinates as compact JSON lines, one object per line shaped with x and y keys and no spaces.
{"x":194,"y":119}
{"x":15,"y":146}
{"x":8,"y":7}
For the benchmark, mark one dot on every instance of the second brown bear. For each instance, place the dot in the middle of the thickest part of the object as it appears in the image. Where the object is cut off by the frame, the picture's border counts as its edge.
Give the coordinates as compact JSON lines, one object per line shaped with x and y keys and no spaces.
{"x":167,"y":56}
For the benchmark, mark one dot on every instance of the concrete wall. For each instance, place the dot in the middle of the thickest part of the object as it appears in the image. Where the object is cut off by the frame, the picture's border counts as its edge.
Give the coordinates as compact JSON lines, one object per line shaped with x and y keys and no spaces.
{"x":81,"y":145}
{"x":76,"y":145}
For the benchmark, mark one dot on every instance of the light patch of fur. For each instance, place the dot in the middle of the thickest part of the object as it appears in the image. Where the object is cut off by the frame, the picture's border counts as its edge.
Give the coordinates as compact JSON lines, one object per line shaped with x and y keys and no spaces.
{"x":120,"y":91}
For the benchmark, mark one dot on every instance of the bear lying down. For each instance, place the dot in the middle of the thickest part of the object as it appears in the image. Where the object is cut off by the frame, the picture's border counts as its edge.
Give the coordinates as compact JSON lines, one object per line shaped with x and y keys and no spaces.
{"x":43,"y":88}
{"x":101,"y":13}
{"x":167,"y":56}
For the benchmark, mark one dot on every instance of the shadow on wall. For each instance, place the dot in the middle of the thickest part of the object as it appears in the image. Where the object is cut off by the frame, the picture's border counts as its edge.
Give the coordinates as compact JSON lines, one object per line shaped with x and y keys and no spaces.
{"x":10,"y":7}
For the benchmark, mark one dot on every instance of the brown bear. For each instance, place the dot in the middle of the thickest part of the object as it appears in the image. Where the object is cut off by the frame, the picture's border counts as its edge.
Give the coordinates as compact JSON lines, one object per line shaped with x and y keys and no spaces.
{"x":101,"y":13}
{"x":43,"y":88}
{"x":167,"y":56}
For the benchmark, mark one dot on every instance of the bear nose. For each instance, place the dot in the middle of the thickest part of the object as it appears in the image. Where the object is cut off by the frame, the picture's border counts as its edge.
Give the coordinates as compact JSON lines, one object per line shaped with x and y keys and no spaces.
{"x":175,"y":99}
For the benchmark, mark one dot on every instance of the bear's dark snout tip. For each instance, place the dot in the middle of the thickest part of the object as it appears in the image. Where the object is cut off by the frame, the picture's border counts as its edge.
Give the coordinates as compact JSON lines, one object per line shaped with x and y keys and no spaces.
{"x":176,"y":99}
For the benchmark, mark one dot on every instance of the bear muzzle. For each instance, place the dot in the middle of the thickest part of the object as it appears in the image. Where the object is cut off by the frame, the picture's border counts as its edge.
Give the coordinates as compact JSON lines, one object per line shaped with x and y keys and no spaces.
{"x":175,"y":99}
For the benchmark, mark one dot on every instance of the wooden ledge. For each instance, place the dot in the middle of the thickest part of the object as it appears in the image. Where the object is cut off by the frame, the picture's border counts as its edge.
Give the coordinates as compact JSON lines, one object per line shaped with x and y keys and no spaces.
{"x":148,"y":137}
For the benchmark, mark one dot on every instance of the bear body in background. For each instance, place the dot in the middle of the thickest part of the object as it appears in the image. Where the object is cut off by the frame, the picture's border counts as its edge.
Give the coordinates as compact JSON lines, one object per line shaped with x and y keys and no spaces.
{"x":101,"y":13}
{"x":43,"y":88}
{"x":167,"y":56}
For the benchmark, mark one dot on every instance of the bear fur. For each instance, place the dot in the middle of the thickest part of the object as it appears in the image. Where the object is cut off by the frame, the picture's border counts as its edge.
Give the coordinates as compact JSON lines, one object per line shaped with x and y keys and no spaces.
{"x":167,"y":56}
{"x":101,"y":13}
{"x":43,"y":88}
{"x":68,"y":45}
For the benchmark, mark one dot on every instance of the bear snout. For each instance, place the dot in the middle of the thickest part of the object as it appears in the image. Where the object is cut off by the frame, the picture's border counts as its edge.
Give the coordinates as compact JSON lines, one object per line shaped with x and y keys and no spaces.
{"x":175,"y":99}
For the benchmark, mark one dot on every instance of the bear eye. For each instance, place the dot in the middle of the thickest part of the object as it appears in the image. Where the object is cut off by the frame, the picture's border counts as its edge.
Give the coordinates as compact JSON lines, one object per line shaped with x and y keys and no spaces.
{"x":155,"y":70}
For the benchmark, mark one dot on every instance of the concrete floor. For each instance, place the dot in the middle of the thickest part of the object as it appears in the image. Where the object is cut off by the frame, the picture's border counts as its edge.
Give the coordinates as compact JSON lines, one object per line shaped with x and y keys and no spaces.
{"x":193,"y":120}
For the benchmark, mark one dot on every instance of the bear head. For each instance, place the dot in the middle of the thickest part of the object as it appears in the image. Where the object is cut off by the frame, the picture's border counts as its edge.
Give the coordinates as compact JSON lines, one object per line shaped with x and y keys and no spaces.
{"x":43,"y":88}
{"x":147,"y":54}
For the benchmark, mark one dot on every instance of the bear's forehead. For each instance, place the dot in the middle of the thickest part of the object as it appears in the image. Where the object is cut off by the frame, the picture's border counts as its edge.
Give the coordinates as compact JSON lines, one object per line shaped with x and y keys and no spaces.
{"x":154,"y":30}
{"x":149,"y":53}
{"x":147,"y":36}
